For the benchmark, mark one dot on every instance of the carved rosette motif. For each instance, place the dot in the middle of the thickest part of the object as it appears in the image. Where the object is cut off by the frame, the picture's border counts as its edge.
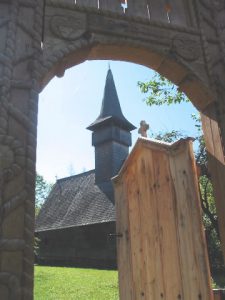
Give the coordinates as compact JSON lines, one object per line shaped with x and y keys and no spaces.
{"x":186,"y":48}
{"x":67,"y":28}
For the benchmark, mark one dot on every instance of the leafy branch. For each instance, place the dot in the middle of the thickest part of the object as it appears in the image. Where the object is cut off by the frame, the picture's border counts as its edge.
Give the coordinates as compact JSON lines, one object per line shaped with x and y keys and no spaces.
{"x":161,"y":91}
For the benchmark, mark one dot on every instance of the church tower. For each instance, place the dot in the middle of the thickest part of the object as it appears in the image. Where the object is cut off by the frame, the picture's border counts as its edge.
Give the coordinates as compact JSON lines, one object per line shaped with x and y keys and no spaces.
{"x":111,"y":137}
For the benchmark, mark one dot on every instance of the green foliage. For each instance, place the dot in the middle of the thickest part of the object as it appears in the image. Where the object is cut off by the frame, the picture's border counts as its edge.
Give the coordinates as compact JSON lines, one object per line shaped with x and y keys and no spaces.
{"x":219,"y":280}
{"x":161,"y":91}
{"x":53,"y":283}
{"x":211,"y":224}
{"x":168,"y":137}
{"x":36,"y":245}
{"x":42,"y":190}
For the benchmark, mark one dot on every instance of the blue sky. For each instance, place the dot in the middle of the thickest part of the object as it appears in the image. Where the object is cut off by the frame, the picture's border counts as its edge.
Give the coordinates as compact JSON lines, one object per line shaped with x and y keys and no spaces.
{"x":69,"y":104}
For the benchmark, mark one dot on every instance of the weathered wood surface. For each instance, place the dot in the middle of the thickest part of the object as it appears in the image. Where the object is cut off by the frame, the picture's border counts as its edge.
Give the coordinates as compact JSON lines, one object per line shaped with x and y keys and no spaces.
{"x":217,"y":169}
{"x":178,"y":12}
{"x":138,"y":8}
{"x":164,"y":253}
{"x":123,"y":246}
{"x":219,"y":294}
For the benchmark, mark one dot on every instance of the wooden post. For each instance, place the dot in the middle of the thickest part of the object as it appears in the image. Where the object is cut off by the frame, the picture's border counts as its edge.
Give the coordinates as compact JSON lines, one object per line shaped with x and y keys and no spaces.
{"x":216,"y":160}
{"x":162,"y":252}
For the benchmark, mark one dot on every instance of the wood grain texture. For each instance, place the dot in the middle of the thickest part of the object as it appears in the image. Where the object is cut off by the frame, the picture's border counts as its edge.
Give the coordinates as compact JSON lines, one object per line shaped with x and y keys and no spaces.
{"x":124,"y":259}
{"x":167,"y":251}
{"x":217,"y":169}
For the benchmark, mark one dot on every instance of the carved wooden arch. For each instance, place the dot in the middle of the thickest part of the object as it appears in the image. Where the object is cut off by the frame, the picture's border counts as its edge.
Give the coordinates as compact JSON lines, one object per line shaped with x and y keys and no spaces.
{"x":178,"y":55}
{"x":181,"y":72}
{"x":195,"y":51}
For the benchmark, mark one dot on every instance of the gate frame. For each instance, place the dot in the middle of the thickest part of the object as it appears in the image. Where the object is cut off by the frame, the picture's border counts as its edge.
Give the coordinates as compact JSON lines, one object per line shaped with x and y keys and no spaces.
{"x":192,"y":58}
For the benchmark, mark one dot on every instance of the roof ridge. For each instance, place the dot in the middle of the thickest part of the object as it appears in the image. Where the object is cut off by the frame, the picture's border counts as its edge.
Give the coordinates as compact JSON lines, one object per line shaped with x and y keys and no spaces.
{"x":76,"y":175}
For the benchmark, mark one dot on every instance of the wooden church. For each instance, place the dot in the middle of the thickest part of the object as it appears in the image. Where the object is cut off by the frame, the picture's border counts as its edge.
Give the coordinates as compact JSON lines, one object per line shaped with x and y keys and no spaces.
{"x":76,"y":224}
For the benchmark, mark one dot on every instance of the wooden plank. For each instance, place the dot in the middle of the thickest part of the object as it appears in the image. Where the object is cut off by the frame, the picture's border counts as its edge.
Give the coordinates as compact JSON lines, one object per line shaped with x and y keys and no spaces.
{"x":216,"y":168}
{"x":178,"y":12}
{"x":157,"y":10}
{"x":123,"y":243}
{"x":135,"y":233}
{"x":88,"y":3}
{"x":194,"y":262}
{"x":212,"y":137}
{"x":111,"y":5}
{"x":138,"y":8}
{"x":167,"y":227}
{"x":72,"y":2}
{"x":151,"y":247}
{"x":150,"y":255}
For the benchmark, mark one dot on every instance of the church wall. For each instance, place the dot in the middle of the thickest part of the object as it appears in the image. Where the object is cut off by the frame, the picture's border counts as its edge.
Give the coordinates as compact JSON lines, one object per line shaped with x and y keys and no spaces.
{"x":84,"y":246}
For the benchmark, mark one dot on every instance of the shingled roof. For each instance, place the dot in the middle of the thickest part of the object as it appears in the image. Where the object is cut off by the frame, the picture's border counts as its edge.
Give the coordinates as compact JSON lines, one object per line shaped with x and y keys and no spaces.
{"x":75,"y":201}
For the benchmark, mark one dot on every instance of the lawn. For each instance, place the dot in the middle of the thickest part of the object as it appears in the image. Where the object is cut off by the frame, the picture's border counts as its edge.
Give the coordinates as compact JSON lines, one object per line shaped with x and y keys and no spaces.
{"x":57,"y":283}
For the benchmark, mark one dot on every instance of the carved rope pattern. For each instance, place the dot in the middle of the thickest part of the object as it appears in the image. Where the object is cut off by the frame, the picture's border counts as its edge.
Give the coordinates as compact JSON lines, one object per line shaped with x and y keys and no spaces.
{"x":10,"y":280}
{"x":20,"y":287}
{"x":31,"y":155}
{"x":9,"y":206}
{"x":12,"y":283}
{"x":8,"y":67}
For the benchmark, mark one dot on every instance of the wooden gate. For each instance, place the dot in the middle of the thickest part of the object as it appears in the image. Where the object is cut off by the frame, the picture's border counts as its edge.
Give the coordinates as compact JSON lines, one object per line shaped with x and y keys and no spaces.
{"x":161,"y":243}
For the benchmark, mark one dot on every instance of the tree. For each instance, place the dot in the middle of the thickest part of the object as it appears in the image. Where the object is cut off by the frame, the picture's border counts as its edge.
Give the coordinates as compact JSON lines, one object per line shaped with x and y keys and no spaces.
{"x":42,"y":190}
{"x":160,"y":91}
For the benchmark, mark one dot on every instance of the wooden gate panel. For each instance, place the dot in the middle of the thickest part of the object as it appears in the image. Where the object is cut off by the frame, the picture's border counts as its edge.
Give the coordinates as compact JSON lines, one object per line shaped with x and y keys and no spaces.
{"x":164,"y":197}
{"x":149,"y":229}
{"x":124,"y":262}
{"x":136,"y":237}
{"x":167,"y":249}
{"x":189,"y":227}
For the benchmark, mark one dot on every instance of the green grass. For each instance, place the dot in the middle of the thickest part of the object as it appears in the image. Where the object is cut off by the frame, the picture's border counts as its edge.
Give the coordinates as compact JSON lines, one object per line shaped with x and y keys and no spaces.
{"x":57,"y":283}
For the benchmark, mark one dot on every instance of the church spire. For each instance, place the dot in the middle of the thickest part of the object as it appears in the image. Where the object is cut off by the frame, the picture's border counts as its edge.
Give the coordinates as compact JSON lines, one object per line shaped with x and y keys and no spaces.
{"x":111,"y":138}
{"x":111,"y":111}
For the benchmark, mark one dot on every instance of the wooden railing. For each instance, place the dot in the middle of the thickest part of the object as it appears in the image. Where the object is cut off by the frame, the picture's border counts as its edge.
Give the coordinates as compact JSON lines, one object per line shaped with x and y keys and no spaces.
{"x":170,"y":11}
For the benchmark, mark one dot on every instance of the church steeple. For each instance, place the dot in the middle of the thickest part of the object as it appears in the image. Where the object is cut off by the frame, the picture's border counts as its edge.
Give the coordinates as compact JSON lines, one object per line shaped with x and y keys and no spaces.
{"x":111,"y":137}
{"x":111,"y":111}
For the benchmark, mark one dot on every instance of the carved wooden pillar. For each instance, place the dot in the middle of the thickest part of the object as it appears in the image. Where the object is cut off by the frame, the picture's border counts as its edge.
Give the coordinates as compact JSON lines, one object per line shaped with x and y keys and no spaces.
{"x":215,"y":154}
{"x":211,"y":20}
{"x":20,"y":46}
